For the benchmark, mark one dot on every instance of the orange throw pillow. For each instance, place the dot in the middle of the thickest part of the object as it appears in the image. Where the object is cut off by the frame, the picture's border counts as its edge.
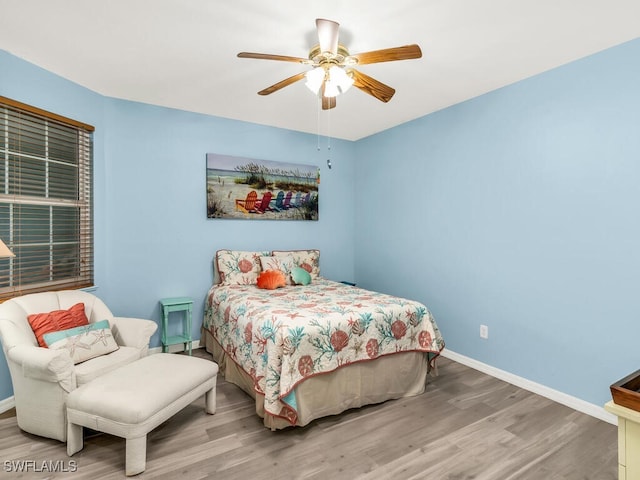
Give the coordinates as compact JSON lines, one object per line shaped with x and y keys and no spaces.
{"x":57,"y":320}
{"x":271,"y":279}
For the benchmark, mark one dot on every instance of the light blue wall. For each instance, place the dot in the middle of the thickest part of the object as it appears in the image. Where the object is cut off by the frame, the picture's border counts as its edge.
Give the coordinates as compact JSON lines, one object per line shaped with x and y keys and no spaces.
{"x":161,"y":243}
{"x":152,"y":236}
{"x":519,"y":210}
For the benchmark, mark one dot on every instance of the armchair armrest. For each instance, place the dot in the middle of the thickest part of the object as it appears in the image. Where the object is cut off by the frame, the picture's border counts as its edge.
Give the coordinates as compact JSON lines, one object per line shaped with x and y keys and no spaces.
{"x":133,"y":332}
{"x":43,"y":364}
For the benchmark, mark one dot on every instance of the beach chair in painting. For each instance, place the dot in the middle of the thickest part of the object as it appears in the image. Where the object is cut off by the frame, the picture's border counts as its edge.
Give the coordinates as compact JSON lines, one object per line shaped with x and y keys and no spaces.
{"x":286,"y":204}
{"x":277,"y":203}
{"x":248,"y":204}
{"x":303,"y":200}
{"x":295,"y":202}
{"x":262,"y":205}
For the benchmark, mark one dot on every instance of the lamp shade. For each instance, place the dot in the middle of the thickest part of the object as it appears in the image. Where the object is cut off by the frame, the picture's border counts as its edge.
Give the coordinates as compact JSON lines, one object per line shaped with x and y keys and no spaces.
{"x":4,"y":251}
{"x":339,"y":80}
{"x":336,"y":80}
{"x":315,"y":78}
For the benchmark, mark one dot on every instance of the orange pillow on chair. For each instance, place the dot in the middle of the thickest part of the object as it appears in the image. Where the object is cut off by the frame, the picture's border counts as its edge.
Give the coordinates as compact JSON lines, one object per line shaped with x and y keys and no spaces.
{"x":271,"y":279}
{"x":57,"y":320}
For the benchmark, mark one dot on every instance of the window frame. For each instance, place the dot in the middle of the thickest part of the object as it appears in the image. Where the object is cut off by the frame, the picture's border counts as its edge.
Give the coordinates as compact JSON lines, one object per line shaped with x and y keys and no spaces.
{"x":15,"y":277}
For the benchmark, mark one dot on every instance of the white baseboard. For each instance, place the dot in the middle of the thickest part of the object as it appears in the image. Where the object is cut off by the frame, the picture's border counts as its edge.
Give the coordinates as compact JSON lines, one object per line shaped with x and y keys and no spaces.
{"x":9,"y":403}
{"x":555,"y":395}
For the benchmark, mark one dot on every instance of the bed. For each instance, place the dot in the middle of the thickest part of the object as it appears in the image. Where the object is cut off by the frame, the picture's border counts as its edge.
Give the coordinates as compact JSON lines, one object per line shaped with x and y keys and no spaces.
{"x":309,"y":351}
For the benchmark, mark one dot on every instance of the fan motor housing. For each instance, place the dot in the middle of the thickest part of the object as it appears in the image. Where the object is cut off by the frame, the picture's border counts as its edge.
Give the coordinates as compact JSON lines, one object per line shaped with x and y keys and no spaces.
{"x":319,"y":57}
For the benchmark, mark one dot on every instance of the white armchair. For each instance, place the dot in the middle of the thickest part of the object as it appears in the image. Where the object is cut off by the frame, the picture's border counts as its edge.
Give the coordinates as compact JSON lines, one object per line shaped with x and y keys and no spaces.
{"x":42,"y":377}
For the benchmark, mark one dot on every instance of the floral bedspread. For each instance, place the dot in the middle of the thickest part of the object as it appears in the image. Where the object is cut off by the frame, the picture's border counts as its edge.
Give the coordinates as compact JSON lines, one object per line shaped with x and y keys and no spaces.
{"x":281,"y":337}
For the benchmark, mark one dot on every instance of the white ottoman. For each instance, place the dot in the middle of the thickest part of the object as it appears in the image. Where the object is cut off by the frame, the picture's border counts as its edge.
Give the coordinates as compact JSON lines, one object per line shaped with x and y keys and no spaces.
{"x":132,"y":400}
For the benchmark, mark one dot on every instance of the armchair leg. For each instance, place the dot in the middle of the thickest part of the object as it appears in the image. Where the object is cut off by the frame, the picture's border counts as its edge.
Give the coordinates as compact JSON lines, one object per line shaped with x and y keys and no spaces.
{"x":75,"y":442}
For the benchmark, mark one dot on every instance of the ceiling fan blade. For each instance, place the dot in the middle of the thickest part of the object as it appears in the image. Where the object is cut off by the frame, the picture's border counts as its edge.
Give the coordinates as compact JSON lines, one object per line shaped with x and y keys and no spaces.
{"x":373,"y":87}
{"x":267,"y":56}
{"x":283,"y":83}
{"x":389,"y":54}
{"x":328,"y":102}
{"x":327,"y":35}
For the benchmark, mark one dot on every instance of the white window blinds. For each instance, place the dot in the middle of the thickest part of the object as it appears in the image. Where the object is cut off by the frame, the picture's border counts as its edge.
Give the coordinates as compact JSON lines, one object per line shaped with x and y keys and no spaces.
{"x":46,"y":216}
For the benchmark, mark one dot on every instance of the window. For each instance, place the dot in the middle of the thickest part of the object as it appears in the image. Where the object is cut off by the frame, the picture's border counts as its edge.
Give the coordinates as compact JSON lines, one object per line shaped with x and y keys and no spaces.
{"x":46,"y":216}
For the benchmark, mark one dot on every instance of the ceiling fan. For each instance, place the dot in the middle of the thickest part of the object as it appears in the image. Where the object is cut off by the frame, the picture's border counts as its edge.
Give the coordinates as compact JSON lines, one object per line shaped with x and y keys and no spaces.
{"x":334,"y":70}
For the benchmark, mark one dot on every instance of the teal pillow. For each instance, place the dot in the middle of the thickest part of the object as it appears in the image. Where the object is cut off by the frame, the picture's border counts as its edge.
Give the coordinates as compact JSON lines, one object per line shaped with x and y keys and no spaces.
{"x":300,"y":276}
{"x":85,"y":342}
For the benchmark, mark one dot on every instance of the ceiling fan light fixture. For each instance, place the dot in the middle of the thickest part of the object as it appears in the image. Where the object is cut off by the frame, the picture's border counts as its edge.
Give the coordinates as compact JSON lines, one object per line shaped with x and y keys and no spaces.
{"x":335,"y":79}
{"x":331,"y":90}
{"x":339,"y":79}
{"x":315,"y":78}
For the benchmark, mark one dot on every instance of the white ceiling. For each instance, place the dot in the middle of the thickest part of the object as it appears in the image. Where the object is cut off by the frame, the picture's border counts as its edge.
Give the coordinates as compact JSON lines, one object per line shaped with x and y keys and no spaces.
{"x":182,"y":53}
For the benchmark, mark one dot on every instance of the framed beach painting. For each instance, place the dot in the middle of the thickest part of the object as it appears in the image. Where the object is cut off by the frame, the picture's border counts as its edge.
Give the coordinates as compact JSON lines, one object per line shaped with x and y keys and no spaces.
{"x":246,"y":188}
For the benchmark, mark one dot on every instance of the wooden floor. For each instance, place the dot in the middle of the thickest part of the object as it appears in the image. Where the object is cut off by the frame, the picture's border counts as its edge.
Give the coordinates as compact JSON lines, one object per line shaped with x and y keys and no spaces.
{"x":467,"y":425}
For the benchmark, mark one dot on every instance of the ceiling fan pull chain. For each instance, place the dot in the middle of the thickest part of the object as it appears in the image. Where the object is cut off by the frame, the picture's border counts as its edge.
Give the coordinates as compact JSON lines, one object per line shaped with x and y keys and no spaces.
{"x":329,"y":130}
{"x":319,"y":105}
{"x":329,"y":139}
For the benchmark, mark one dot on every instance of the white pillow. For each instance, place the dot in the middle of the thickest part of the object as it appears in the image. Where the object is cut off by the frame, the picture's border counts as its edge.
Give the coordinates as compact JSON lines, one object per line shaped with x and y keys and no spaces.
{"x":84,"y":342}
{"x":283,"y":263}
{"x":307,"y":259}
{"x":238,"y":267}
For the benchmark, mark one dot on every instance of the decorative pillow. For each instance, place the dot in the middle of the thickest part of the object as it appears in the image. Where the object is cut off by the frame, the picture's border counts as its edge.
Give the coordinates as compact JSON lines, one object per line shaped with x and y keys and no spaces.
{"x":271,"y":279}
{"x":85,"y":342}
{"x":300,"y":276}
{"x":57,"y":320}
{"x":283,"y":263}
{"x":307,"y":259}
{"x":238,"y":267}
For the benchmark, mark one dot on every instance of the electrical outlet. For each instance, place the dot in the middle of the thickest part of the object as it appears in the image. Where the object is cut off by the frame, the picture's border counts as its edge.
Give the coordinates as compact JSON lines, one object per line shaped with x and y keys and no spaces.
{"x":484,"y":331}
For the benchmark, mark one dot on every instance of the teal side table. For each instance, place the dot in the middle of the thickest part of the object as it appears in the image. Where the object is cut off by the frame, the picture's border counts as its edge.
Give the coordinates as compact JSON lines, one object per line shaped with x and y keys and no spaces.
{"x":177,"y":304}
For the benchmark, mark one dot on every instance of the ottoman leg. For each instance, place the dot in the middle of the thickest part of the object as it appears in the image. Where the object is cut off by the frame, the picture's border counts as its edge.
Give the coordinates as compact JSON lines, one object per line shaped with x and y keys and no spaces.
{"x":210,"y":400}
{"x":136,"y":455}
{"x":74,"y":438}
